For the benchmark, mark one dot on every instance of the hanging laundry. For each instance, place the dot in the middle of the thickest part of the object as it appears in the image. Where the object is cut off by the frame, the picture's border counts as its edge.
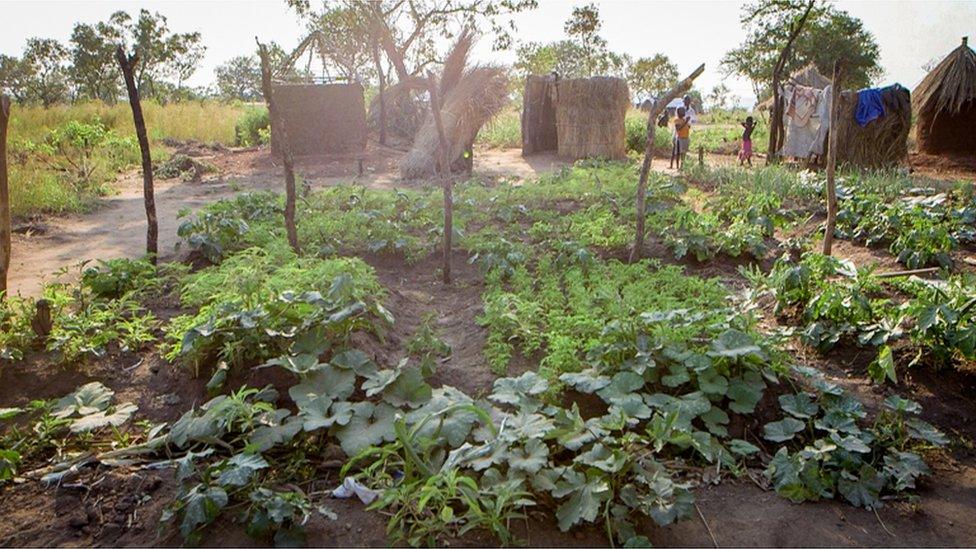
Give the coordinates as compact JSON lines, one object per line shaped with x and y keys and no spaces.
{"x":804,"y":104}
{"x":869,"y":106}
{"x":823,"y":114}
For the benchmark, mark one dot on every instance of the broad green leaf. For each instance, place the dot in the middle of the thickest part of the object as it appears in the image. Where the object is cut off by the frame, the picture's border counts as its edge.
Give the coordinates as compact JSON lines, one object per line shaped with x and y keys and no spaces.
{"x":923,"y":430}
{"x":898,"y":404}
{"x":371,"y":425}
{"x":742,"y":447}
{"x":511,"y":390}
{"x":586,"y":494}
{"x":280,"y":428}
{"x":712,"y":383}
{"x":530,"y":458}
{"x":883,"y":366}
{"x":745,"y":392}
{"x":449,"y":418}
{"x":734,"y":344}
{"x":782,"y":430}
{"x":203,"y":505}
{"x":606,"y":459}
{"x":88,"y":399}
{"x":715,"y":421}
{"x":114,"y":417}
{"x":355,"y":360}
{"x":239,"y":469}
{"x":588,"y":381}
{"x":862,"y":490}
{"x":851,"y":443}
{"x":7,"y":413}
{"x":904,"y":468}
{"x":799,"y":405}
{"x":621,"y":384}
{"x":408,"y":389}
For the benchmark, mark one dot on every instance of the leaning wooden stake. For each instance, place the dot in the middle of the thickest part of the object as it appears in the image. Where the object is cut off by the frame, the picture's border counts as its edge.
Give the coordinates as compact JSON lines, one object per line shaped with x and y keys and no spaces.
{"x":286,"y":157}
{"x":128,"y":63}
{"x":652,"y":115}
{"x":444,"y":169}
{"x":828,"y":241}
{"x":4,"y":197}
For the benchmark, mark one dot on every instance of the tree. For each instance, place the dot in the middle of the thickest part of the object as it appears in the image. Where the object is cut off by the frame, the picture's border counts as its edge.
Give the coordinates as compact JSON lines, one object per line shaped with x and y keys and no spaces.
{"x":583,"y":28}
{"x":651,"y":76}
{"x":346,"y":44}
{"x":93,"y":71}
{"x":13,"y":77}
{"x":719,"y":97}
{"x":239,"y":78}
{"x":406,"y":30}
{"x":829,"y":34}
{"x":46,"y":73}
{"x":127,"y":65}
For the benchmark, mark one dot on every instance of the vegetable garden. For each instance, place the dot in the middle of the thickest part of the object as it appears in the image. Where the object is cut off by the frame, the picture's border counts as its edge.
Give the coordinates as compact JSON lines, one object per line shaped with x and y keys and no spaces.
{"x":568,"y":387}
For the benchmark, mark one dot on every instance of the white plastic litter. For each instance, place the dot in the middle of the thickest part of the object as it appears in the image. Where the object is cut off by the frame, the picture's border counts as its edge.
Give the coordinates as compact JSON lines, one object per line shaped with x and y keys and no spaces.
{"x":350,"y":487}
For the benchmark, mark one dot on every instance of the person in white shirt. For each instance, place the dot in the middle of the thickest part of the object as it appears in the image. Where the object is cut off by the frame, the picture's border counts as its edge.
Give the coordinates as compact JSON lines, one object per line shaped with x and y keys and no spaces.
{"x":690,"y":113}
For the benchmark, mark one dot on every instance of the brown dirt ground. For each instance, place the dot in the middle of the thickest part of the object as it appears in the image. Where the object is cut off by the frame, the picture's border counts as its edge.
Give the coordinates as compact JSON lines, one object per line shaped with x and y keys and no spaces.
{"x":111,"y":507}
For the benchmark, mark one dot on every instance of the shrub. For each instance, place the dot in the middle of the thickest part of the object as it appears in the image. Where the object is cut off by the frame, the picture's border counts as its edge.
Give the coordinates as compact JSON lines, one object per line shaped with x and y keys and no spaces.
{"x":253,"y":127}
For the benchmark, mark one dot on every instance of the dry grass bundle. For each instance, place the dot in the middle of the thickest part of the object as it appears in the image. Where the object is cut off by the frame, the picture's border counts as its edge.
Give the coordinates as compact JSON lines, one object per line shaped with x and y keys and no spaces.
{"x":455,"y":62}
{"x":405,"y":110}
{"x":884,"y":141}
{"x":472,"y":102}
{"x":945,"y":104}
{"x":590,"y":116}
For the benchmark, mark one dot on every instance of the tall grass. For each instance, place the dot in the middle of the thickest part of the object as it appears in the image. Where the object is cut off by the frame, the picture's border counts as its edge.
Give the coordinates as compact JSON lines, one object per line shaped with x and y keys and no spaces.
{"x":38,"y":187}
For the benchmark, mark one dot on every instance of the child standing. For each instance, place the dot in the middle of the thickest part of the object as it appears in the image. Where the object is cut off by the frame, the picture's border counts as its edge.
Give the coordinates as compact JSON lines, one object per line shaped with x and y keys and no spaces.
{"x":682,"y":135}
{"x":745,"y":154}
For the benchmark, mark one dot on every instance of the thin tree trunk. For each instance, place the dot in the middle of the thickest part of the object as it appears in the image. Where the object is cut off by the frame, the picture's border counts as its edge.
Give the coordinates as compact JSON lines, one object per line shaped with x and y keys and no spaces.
{"x":832,"y":161}
{"x":127,"y":64}
{"x":283,"y":146}
{"x":444,"y":168}
{"x":776,"y":130}
{"x":652,"y":115}
{"x":382,"y":83}
{"x":4,"y":197}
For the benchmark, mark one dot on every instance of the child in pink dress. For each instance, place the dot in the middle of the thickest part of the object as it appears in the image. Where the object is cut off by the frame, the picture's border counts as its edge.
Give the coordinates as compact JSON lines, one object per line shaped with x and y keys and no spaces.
{"x":745,"y":154}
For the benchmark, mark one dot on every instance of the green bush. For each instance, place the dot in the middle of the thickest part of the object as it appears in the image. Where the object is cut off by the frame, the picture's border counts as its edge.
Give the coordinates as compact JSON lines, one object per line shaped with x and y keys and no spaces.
{"x":253,"y":127}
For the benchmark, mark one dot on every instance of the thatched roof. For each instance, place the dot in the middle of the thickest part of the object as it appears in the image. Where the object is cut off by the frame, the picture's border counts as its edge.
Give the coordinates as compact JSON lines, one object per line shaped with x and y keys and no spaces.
{"x":808,"y":76}
{"x":950,"y":84}
{"x":480,"y":93}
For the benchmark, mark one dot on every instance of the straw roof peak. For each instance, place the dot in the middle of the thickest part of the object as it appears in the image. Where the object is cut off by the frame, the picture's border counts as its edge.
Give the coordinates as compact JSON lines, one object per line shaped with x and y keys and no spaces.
{"x":951,"y":84}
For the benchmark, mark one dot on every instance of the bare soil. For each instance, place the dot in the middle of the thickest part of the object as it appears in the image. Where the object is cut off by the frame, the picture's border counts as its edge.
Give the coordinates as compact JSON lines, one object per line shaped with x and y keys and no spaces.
{"x":121,"y":506}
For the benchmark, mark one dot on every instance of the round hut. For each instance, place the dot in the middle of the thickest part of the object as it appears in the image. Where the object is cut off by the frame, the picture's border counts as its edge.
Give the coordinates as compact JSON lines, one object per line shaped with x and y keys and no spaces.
{"x":945,"y":105}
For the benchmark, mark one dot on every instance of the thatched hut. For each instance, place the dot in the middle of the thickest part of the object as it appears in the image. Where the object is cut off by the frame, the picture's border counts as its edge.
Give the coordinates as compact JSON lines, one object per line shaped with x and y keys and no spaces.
{"x":476,"y":97}
{"x":579,"y":117}
{"x":320,"y":118}
{"x":883,"y":141}
{"x":945,"y":104}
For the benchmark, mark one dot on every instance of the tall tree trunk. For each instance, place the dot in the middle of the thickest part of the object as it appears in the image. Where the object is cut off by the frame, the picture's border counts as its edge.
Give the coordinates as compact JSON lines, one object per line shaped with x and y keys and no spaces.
{"x":652,"y":115}
{"x":444,"y":168}
{"x":776,"y":131}
{"x":127,"y":64}
{"x":4,"y":197}
{"x":382,"y":83}
{"x":283,"y":146}
{"x":832,"y":161}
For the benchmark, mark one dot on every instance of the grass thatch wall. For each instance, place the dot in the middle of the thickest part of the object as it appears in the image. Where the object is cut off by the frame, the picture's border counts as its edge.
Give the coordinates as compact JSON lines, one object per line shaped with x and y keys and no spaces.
{"x":320,"y":118}
{"x":538,"y":118}
{"x":945,"y":104}
{"x":469,"y":105}
{"x":884,"y":141}
{"x":590,"y":116}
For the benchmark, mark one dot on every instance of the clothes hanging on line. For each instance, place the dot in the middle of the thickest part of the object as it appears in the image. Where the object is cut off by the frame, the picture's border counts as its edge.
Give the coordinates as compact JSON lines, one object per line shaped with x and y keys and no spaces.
{"x":801,"y":104}
{"x":818,"y":147}
{"x":870,"y":105}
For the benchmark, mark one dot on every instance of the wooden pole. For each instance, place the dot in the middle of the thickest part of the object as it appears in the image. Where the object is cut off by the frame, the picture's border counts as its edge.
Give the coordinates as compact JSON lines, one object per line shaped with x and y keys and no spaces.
{"x":444,"y":168}
{"x":128,"y":64}
{"x":382,"y":83}
{"x":836,"y":88}
{"x":4,"y":197}
{"x":652,"y":115}
{"x":283,"y":146}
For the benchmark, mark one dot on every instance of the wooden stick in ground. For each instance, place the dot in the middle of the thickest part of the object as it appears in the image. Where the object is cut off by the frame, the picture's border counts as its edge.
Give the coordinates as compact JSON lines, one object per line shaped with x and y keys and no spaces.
{"x":444,"y":168}
{"x":286,"y":157}
{"x":128,"y":63}
{"x":652,"y":115}
{"x":828,"y":241}
{"x":382,"y":91}
{"x":4,"y":197}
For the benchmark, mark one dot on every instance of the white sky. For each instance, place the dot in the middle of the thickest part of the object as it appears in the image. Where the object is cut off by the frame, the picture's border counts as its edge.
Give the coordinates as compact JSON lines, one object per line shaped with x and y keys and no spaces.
{"x":910,"y":33}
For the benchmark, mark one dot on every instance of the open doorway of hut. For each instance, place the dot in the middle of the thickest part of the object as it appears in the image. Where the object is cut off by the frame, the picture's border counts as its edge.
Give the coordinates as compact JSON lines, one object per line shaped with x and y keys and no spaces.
{"x":539,"y":115}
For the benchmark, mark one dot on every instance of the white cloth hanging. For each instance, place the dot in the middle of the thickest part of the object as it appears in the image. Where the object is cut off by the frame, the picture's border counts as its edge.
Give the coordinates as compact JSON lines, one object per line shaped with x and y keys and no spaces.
{"x":818,"y":146}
